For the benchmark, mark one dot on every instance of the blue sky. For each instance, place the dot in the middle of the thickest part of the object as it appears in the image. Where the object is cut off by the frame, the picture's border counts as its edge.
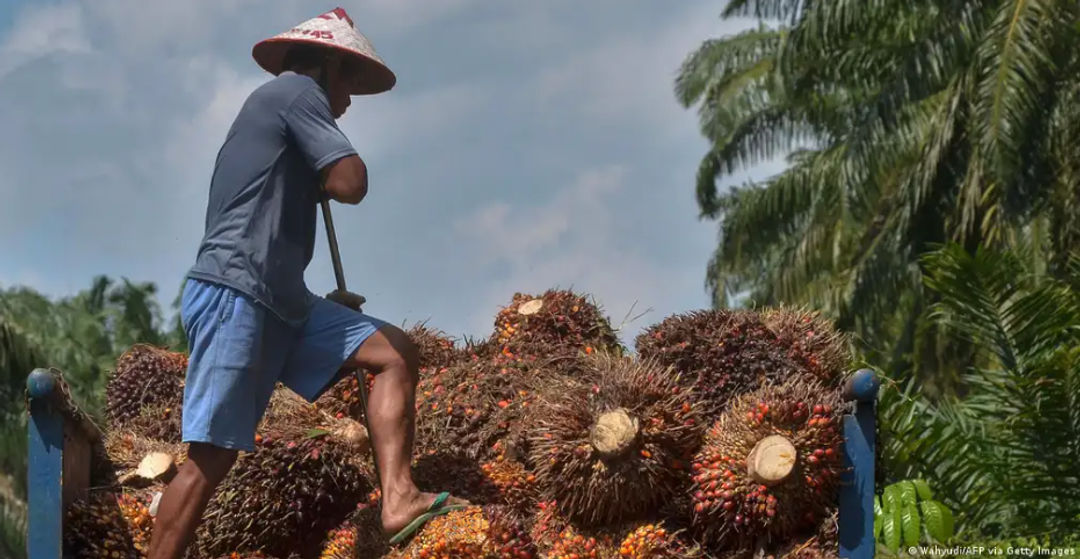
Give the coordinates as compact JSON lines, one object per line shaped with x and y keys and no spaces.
{"x":527,"y":145}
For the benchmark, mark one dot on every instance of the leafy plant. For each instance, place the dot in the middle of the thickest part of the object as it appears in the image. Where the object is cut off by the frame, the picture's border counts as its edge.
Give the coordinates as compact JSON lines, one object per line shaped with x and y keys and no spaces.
{"x":1006,"y":454}
{"x":905,"y":124}
{"x":906,"y":514}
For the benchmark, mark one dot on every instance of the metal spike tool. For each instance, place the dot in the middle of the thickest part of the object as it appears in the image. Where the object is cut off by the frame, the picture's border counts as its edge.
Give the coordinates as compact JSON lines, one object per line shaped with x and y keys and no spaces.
{"x":339,"y":275}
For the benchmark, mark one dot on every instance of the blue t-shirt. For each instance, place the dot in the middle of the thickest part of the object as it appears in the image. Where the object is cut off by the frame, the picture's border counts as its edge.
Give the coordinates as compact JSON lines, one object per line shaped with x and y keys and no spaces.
{"x":261,"y":217}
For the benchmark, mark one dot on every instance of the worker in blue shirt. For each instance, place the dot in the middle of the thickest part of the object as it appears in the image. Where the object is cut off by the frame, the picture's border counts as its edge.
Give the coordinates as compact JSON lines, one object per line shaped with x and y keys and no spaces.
{"x":250,"y":319}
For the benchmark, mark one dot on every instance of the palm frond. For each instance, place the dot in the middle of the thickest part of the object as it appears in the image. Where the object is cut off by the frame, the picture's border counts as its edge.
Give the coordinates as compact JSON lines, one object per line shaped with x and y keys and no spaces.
{"x":786,"y":10}
{"x":1011,"y":445}
{"x":1017,"y":69}
{"x":720,"y":60}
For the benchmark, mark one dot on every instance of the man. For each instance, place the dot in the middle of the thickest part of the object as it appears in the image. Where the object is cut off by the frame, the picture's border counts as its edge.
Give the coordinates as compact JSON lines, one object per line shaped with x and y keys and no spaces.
{"x":249,"y":317}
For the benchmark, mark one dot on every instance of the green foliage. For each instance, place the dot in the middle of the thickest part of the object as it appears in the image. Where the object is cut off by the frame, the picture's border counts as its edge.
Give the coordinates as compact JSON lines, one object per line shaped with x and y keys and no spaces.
{"x":81,"y":335}
{"x":906,"y":517}
{"x":1005,"y":455}
{"x":923,"y":489}
{"x":906,"y":124}
{"x":12,"y":529}
{"x":878,"y":516}
{"x":890,"y":529}
{"x":938,"y":519}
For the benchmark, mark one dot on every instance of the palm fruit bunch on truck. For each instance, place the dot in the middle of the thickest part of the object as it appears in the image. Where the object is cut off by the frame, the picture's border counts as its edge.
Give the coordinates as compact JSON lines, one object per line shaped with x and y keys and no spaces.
{"x":719,"y":437}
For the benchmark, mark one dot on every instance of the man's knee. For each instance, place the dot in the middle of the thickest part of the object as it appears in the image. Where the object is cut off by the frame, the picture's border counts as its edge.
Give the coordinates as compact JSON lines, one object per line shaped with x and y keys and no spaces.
{"x":389,"y":347}
{"x":406,"y":354}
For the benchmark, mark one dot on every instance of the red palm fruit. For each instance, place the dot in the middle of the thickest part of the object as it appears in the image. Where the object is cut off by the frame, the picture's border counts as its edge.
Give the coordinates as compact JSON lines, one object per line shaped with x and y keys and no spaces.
{"x":146,"y":381}
{"x":772,"y":465}
{"x":655,"y":541}
{"x":721,"y":353}
{"x":811,"y":340}
{"x":516,"y":484}
{"x":284,"y":497}
{"x":473,"y":533}
{"x":475,"y":409}
{"x":359,"y":537}
{"x":556,"y":324}
{"x":109,"y":523}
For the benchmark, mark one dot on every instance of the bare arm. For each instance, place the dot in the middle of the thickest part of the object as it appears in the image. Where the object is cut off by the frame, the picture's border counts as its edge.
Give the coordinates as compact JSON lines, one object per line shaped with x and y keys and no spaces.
{"x":346,"y":180}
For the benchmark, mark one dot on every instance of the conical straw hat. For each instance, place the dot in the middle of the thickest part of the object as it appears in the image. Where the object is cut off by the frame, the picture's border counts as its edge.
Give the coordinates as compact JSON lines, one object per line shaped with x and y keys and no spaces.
{"x":335,"y":30}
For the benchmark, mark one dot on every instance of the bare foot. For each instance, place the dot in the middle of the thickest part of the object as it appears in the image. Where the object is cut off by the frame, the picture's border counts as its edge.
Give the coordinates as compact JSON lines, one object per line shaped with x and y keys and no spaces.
{"x":397,"y":515}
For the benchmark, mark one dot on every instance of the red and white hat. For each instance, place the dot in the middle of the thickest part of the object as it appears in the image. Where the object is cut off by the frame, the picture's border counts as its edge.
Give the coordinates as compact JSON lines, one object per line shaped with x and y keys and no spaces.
{"x":334,"y":30}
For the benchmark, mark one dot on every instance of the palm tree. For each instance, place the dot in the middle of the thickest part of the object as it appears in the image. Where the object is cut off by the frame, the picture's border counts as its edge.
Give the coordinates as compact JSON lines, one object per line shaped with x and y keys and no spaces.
{"x":906,"y":124}
{"x":1007,"y":456}
{"x":17,"y":357}
{"x":81,"y":335}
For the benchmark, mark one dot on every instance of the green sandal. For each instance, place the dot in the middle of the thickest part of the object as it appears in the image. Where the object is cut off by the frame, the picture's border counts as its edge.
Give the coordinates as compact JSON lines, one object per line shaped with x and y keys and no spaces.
{"x":436,"y":508}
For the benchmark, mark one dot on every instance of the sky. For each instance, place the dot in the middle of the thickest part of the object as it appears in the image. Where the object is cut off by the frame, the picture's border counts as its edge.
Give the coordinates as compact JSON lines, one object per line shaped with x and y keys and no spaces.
{"x":526,"y":146}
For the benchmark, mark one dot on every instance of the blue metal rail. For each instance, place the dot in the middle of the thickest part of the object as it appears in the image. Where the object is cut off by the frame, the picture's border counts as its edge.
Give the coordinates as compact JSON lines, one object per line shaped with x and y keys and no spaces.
{"x":62,"y":438}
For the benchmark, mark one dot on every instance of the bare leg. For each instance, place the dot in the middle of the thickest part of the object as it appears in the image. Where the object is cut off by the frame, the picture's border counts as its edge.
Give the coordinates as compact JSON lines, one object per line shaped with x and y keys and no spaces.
{"x":391,"y":416}
{"x":186,"y":497}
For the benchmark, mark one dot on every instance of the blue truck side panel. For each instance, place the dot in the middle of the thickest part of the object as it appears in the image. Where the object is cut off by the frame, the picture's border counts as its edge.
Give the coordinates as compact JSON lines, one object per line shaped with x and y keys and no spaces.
{"x":44,"y":480}
{"x":856,"y":515}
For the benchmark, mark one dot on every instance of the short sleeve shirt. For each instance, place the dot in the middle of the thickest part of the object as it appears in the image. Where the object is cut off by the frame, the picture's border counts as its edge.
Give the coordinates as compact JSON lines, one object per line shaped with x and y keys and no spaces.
{"x":264,"y":193}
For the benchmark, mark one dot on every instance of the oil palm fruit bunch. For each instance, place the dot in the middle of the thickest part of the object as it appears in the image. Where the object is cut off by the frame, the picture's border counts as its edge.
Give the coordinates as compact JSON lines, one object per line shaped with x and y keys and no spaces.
{"x":108,"y":525}
{"x":359,"y":537}
{"x":825,"y":544}
{"x":461,"y":475}
{"x":147,"y":380}
{"x":516,"y":485}
{"x":472,"y":533}
{"x":344,"y":398}
{"x":508,"y":535}
{"x":615,"y":449}
{"x":654,"y":541}
{"x":283,"y":497}
{"x":556,"y":322}
{"x":289,"y":414}
{"x":722,"y":353}
{"x":556,"y":537}
{"x":436,"y":349}
{"x":770,"y":465}
{"x":812,"y":342}
{"x":573,"y":543}
{"x":470,"y":407}
{"x":547,"y":523}
{"x":341,"y":544}
{"x":812,"y":548}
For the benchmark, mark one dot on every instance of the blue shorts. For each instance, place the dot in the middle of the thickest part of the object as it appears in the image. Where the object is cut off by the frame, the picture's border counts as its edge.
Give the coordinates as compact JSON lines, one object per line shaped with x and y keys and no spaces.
{"x":239,"y":350}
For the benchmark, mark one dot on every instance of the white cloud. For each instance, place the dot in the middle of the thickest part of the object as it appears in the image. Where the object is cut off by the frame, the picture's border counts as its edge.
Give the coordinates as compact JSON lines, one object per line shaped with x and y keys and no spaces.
{"x":632,"y":76}
{"x":39,"y":31}
{"x":501,"y":232}
{"x":396,"y":16}
{"x":385,"y":124}
{"x":567,"y":242}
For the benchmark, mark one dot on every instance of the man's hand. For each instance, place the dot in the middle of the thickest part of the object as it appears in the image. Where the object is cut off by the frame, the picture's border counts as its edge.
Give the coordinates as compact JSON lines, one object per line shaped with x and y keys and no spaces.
{"x":347,"y":298}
